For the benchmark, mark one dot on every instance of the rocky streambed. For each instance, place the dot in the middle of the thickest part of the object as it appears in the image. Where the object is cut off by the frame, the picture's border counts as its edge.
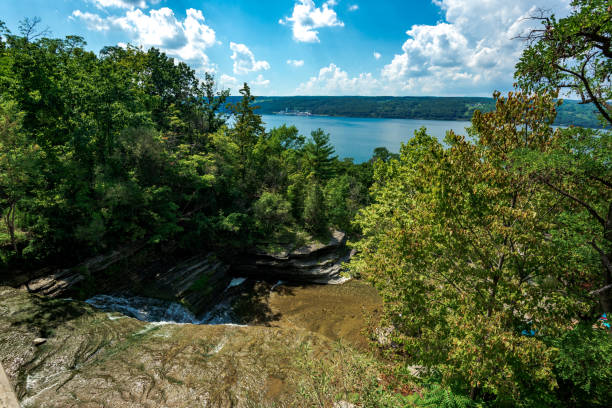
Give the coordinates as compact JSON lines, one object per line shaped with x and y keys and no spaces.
{"x":299,"y":347}
{"x":200,"y":332}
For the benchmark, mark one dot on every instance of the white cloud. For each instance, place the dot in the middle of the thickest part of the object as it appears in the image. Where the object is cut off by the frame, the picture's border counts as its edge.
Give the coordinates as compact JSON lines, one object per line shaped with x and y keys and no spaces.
{"x":127,"y":4}
{"x":186,"y":39}
{"x":295,"y":63}
{"x":307,"y":17}
{"x":472,"y":52}
{"x":377,"y":55}
{"x":354,"y":7}
{"x":244,"y":60}
{"x":332,"y":80}
{"x":227,"y":81}
{"x":92,"y":21}
{"x":261,"y":81}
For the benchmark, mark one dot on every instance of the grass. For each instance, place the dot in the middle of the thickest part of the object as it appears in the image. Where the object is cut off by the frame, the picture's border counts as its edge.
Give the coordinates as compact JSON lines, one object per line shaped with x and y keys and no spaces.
{"x":345,"y":375}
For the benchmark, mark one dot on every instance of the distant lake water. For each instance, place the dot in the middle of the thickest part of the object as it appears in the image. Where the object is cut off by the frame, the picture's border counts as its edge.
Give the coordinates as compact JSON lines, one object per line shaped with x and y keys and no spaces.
{"x":357,"y":137}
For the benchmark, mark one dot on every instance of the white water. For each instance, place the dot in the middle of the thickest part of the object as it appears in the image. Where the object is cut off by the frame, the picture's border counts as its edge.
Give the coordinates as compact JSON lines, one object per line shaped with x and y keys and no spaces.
{"x":164,"y":312}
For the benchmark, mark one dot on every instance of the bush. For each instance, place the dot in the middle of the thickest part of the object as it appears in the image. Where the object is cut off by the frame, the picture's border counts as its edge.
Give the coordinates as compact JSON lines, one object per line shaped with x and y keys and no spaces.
{"x":583,"y":367}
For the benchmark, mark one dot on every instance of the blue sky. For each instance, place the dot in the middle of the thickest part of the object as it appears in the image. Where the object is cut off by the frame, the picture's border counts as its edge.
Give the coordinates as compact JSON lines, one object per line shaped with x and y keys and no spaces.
{"x":313,"y":47}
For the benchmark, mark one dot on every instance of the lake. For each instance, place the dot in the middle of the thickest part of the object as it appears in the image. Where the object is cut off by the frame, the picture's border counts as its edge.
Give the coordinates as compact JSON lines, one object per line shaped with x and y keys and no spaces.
{"x":357,"y":137}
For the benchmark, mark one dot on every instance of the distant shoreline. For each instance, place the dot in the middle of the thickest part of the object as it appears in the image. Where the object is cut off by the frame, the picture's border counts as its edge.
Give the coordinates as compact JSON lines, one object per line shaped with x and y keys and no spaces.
{"x":411,"y":107}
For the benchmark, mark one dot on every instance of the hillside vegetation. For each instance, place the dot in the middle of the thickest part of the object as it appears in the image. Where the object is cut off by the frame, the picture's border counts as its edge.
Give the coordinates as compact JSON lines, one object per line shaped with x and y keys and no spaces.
{"x":413,"y":107}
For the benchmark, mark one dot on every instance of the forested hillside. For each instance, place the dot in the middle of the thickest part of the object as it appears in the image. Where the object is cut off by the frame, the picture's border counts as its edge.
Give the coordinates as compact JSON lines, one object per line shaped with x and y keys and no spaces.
{"x":413,"y":107}
{"x":102,"y":150}
{"x":491,"y":252}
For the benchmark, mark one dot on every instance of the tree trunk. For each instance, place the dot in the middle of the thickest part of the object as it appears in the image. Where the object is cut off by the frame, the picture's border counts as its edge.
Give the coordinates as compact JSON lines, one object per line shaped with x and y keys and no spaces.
{"x":605,"y":297}
{"x":9,"y":219}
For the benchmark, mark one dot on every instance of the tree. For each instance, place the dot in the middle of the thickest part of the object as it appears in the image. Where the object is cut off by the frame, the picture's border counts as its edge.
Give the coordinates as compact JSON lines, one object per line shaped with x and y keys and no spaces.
{"x":245,"y":133}
{"x":318,"y":155}
{"x":314,"y":217}
{"x":573,"y":53}
{"x":459,"y":245}
{"x":16,"y":157}
{"x":382,"y":153}
{"x":271,"y":212}
{"x":577,"y":170}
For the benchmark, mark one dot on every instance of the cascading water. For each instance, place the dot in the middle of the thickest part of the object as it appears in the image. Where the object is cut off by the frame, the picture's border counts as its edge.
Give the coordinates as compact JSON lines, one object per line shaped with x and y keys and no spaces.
{"x":162,"y":311}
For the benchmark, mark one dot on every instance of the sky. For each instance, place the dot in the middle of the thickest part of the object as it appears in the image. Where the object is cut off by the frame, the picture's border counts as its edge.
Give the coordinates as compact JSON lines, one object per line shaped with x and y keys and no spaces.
{"x":313,"y":47}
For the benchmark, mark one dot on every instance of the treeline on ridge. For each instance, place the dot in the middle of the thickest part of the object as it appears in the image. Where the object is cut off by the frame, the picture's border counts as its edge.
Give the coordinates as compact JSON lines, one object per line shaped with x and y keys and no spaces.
{"x":571,"y":112}
{"x":98,"y":151}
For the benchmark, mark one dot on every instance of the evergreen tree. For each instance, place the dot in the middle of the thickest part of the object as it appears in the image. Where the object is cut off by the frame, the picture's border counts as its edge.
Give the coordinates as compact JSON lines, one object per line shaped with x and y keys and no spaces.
{"x":318,"y":156}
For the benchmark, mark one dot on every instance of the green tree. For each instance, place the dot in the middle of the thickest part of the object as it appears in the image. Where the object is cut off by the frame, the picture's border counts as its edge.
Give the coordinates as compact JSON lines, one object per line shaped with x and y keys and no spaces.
{"x":16,"y":160}
{"x":456,"y":241}
{"x":271,"y":212}
{"x":572,"y":53}
{"x":246,"y":131}
{"x":318,"y":156}
{"x":315,"y":219}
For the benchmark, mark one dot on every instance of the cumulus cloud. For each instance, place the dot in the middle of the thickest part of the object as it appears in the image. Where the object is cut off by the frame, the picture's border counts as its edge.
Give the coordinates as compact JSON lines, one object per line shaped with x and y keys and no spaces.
{"x":91,"y":20}
{"x":307,"y":17}
{"x":186,"y":39}
{"x":295,"y":63}
{"x":228,"y":81}
{"x":261,"y":81}
{"x":244,"y":60}
{"x":332,"y":80}
{"x":471,"y":52}
{"x":127,"y":4}
{"x":354,"y":7}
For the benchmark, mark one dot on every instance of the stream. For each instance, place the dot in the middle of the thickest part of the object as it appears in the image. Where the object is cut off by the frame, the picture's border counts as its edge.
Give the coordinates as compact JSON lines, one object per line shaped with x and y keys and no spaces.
{"x":335,"y":311}
{"x":163,"y":311}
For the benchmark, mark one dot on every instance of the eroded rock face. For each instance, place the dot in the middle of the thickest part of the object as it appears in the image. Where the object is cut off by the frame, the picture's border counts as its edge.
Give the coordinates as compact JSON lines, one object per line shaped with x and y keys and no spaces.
{"x":315,"y":263}
{"x":93,"y":359}
{"x":56,"y":283}
{"x":196,"y":282}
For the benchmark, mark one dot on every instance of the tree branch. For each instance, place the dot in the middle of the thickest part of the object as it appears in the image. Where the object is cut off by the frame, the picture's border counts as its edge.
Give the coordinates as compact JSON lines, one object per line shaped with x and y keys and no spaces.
{"x":587,"y":87}
{"x":601,"y":290}
{"x":571,"y":197}
{"x":604,"y":258}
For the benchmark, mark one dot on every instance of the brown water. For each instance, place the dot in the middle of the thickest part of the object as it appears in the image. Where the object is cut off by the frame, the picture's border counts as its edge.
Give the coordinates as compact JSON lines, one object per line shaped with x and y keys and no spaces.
{"x":339,"y":312}
{"x":285,"y":358}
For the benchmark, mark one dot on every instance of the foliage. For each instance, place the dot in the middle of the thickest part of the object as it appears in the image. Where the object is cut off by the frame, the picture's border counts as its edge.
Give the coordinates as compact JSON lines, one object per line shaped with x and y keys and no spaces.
{"x":583,"y":367}
{"x":101,"y":150}
{"x":578,"y":172}
{"x":318,"y":156}
{"x":271,"y":211}
{"x":440,"y":397}
{"x":411,"y":107}
{"x":456,"y":243}
{"x":16,"y":157}
{"x":314,"y":216}
{"x":572,"y":53}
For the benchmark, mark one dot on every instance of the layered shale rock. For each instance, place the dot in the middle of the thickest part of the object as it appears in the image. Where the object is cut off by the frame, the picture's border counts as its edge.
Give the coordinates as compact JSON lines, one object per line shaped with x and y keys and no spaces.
{"x":196,"y":283}
{"x":314,"y":263}
{"x":93,"y":359}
